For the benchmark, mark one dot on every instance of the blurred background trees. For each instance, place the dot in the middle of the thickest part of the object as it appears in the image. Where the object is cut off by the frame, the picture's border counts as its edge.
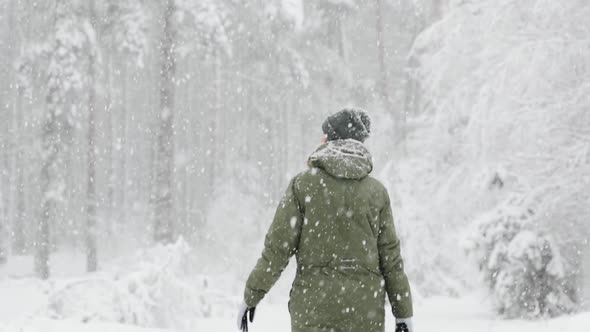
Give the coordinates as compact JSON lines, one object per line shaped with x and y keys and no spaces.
{"x":128,"y":122}
{"x":501,"y":118}
{"x":134,"y":117}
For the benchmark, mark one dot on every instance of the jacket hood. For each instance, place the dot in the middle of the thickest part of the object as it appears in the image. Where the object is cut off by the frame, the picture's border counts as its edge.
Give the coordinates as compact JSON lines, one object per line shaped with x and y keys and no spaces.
{"x":345,"y":159}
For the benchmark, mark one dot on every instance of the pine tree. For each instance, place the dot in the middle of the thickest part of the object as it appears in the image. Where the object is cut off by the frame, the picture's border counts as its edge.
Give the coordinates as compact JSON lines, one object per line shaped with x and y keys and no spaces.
{"x":124,"y":41}
{"x":521,"y":265}
{"x":91,"y":199}
{"x":195,"y":27}
{"x":65,"y":75}
{"x":164,"y":205}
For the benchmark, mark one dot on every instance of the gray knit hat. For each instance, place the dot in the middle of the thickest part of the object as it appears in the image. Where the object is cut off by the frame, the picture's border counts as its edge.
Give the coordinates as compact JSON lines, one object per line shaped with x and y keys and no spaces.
{"x":348,"y":123}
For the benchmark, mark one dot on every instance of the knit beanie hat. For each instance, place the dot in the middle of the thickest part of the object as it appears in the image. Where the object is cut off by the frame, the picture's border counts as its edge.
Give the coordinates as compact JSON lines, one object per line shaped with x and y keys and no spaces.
{"x":348,"y":123}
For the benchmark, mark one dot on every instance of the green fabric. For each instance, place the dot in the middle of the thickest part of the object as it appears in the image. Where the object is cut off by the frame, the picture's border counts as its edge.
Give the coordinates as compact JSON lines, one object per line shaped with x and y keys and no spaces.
{"x":337,"y":220}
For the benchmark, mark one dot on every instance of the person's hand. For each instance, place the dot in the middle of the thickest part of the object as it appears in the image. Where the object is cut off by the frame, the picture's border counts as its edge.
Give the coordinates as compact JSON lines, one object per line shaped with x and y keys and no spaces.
{"x":243,"y":314}
{"x":404,"y":325}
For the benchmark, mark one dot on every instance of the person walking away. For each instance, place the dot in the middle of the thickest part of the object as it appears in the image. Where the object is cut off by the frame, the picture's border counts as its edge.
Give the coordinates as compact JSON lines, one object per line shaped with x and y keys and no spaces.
{"x":337,"y":220}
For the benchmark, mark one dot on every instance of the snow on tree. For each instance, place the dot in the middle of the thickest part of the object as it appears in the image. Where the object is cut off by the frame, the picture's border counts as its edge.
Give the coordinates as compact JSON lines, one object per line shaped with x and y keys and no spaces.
{"x":521,"y":265}
{"x":163,"y":200}
{"x":496,"y":108}
{"x":127,"y":23}
{"x":124,"y":39}
{"x":92,"y":152}
{"x":201,"y":27}
{"x":66,"y":76}
{"x":512,"y":101}
{"x":152,"y":288}
{"x":293,"y":11}
{"x":204,"y":21}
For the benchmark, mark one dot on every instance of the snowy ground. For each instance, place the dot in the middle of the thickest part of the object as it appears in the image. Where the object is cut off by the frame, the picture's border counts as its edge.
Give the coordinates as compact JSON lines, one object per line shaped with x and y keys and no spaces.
{"x":433,"y":315}
{"x":25,"y":304}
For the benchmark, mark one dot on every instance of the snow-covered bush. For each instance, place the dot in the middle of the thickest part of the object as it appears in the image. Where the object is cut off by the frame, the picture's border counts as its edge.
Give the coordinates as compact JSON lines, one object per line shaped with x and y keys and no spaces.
{"x":521,"y":265}
{"x":155,"y":288}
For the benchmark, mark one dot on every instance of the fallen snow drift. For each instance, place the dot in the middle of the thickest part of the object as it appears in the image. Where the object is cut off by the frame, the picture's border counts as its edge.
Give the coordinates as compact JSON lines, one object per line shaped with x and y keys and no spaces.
{"x":50,"y":325}
{"x":158,"y":288}
{"x":155,"y":288}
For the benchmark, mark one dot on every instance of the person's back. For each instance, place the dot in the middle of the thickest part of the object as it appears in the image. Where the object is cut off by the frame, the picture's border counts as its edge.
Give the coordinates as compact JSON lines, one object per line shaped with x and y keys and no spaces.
{"x":337,"y":220}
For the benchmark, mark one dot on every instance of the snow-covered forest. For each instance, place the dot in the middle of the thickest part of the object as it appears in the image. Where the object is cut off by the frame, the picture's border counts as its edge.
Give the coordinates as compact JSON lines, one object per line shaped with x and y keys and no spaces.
{"x":145,"y":145}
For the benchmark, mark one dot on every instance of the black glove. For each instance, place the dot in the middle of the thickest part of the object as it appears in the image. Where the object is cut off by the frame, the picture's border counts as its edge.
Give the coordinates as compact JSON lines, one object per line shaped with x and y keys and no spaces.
{"x":245,"y":312}
{"x":404,"y":325}
{"x":399,"y":327}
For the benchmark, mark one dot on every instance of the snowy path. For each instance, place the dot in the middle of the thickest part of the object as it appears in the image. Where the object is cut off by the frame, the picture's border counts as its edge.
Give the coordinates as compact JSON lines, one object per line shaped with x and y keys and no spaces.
{"x":434,"y":315}
{"x":23,"y":302}
{"x":48,"y":325}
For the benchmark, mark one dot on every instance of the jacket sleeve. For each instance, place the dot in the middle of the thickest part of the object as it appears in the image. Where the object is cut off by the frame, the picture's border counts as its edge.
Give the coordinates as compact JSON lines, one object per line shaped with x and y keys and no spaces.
{"x":280,"y":244}
{"x":392,"y":266}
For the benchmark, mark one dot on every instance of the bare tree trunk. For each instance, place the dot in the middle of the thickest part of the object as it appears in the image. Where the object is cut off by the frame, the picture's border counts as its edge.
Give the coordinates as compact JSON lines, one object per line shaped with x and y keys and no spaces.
{"x":12,"y":156}
{"x":184,"y":185}
{"x":384,"y":81}
{"x":164,"y":209}
{"x":51,"y":140}
{"x":110,"y":151}
{"x":18,"y":244}
{"x":9,"y":45}
{"x":381,"y":53}
{"x":124,"y":132}
{"x":219,"y":158}
{"x":91,"y":252}
{"x":20,"y":220}
{"x":584,"y":275}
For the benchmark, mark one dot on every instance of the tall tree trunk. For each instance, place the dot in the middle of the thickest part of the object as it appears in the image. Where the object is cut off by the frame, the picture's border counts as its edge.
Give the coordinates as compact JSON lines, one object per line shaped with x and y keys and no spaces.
{"x":18,"y":240}
{"x":8,"y":97}
{"x":91,"y":251}
{"x":586,"y":275}
{"x":381,"y":53}
{"x":51,"y":141}
{"x":220,"y":134}
{"x":185,"y":142}
{"x":124,"y":132}
{"x":384,"y":82}
{"x":13,"y":162}
{"x":164,"y":209}
{"x":110,"y":133}
{"x":18,"y":226}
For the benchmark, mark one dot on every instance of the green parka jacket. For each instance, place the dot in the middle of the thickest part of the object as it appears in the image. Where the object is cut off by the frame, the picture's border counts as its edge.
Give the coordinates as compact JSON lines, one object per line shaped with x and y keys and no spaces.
{"x":337,"y":220}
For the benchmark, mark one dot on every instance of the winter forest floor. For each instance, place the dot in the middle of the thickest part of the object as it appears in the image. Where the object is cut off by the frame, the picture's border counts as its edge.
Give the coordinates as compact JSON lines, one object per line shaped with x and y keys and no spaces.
{"x":432,"y":315}
{"x":24,"y":303}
